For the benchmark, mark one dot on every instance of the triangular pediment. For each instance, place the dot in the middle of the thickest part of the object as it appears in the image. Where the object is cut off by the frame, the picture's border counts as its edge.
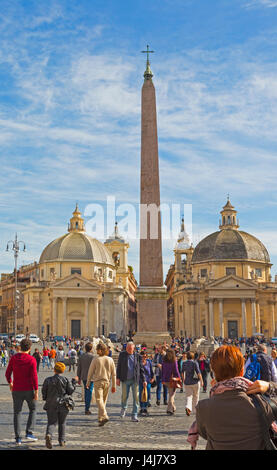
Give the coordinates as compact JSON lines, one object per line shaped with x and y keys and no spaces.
{"x":75,"y":280}
{"x":232,"y":282}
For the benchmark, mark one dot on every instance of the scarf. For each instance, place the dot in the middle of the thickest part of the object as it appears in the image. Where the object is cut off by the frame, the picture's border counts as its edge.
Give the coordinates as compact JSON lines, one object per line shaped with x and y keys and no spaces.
{"x":236,"y":383}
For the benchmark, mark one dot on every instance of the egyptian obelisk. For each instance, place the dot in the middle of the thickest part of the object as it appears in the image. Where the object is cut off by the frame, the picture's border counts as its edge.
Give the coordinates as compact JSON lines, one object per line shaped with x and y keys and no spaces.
{"x":151,"y":294}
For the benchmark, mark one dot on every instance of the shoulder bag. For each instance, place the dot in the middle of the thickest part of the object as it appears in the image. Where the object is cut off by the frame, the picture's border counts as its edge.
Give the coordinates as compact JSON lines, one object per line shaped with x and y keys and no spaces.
{"x":64,"y":400}
{"x":270,"y":437}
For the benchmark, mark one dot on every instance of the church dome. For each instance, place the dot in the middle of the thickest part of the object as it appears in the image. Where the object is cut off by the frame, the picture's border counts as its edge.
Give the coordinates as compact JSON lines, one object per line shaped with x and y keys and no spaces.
{"x":230,"y":243}
{"x":76,"y":245}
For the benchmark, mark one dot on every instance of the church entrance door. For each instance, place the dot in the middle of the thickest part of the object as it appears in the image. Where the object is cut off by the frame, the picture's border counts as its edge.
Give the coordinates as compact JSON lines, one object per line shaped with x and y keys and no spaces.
{"x":233,"y":329}
{"x":75,"y":328}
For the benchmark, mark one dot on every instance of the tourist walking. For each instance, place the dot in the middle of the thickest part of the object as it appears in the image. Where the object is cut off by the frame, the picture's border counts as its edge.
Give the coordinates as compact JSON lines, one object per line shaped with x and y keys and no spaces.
{"x":4,"y":357}
{"x":52,"y":356}
{"x":37,"y":355}
{"x":192,"y":380}
{"x":219,"y":418}
{"x":45,"y":357}
{"x":55,"y":390}
{"x":204,"y":367}
{"x":170,"y":374}
{"x":129,"y":372}
{"x":60,"y":354}
{"x":72,"y":356}
{"x":101,"y":373}
{"x":157,"y":364}
{"x":149,"y":379}
{"x":22,"y":376}
{"x":82,"y":374}
{"x":268,"y":369}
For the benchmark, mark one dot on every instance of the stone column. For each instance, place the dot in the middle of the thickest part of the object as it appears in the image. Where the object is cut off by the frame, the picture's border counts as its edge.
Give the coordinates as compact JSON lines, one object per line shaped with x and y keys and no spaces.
{"x":271,"y":318}
{"x":211,"y":315}
{"x":96,"y":318}
{"x":86,"y":325}
{"x":207,"y":317}
{"x":243,"y":312}
{"x":54,"y":316}
{"x":258,"y":317}
{"x":192,"y":317}
{"x":64,"y":322}
{"x":221,"y":318}
{"x":254,"y":316}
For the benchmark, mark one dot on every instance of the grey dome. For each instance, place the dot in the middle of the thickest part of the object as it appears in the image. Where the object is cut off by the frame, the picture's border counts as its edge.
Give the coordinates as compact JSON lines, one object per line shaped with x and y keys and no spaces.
{"x":76,"y":246}
{"x":230,"y":245}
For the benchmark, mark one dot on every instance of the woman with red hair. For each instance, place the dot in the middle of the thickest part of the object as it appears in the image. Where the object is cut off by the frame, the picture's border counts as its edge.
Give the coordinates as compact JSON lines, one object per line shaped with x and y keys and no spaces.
{"x":228,"y":420}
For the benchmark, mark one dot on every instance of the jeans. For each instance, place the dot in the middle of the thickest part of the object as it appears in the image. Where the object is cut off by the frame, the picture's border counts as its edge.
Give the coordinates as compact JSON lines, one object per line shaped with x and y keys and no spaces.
{"x":143,"y":404}
{"x":88,"y":394}
{"x":159,"y":389}
{"x":18,"y":400}
{"x":45,"y":360}
{"x":56,"y":416}
{"x":125,"y":394}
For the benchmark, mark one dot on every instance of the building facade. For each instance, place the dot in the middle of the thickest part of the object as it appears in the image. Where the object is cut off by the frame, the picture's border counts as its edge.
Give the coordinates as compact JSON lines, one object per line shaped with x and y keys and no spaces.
{"x":223,"y":287}
{"x":82,"y":287}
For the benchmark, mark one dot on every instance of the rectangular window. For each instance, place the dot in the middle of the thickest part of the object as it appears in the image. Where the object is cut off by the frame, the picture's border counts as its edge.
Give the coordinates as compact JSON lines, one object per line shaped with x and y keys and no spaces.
{"x":203,"y":272}
{"x":42,"y":273}
{"x":258,"y":272}
{"x":230,"y":271}
{"x":76,"y":271}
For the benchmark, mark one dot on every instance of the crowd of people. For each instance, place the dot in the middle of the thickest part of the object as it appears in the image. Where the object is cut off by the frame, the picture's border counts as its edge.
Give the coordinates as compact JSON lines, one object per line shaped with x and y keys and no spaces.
{"x":237,"y":371}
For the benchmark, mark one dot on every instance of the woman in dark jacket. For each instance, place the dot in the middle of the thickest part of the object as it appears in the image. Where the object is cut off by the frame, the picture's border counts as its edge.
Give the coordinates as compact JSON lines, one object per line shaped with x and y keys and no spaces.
{"x":169,"y":371}
{"x":229,"y":420}
{"x":204,"y":367}
{"x":53,"y":389}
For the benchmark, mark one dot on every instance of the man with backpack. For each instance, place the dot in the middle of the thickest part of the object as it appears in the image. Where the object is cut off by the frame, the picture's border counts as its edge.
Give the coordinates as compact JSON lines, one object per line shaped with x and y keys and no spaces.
{"x":253,"y":370}
{"x":268,"y":369}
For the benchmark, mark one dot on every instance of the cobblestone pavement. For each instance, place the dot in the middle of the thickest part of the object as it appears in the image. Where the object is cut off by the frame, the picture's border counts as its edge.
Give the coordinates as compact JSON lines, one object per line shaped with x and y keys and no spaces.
{"x":159,"y":431}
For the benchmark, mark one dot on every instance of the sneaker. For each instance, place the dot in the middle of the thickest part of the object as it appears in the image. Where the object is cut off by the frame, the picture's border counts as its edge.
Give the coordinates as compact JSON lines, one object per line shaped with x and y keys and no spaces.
{"x":88,"y":412}
{"x":181,"y":390}
{"x":62,"y":443}
{"x":122,"y":413}
{"x":165,"y":402}
{"x":31,"y":437}
{"x":18,"y":441}
{"x":48,"y":441}
{"x":135,"y":419}
{"x":158,"y":402}
{"x":188,"y":412}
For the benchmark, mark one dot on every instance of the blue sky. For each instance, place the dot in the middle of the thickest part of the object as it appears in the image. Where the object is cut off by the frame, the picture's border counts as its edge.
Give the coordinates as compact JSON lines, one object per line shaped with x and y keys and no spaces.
{"x":71,"y":74}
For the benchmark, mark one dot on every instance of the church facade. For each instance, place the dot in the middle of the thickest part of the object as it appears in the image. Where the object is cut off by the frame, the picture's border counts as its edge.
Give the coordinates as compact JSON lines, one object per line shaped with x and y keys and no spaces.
{"x":222,"y":287}
{"x":84,"y":288}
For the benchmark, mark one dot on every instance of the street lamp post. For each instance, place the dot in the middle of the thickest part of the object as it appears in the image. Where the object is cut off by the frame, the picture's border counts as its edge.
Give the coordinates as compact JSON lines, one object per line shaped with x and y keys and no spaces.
{"x":15,"y":246}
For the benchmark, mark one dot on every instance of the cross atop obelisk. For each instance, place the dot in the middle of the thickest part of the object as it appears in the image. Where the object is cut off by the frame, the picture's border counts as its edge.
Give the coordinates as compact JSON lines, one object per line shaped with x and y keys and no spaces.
{"x":148,"y":72}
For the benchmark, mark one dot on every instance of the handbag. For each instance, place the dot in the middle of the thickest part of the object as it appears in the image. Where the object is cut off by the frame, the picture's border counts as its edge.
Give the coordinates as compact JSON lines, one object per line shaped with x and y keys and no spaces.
{"x":195,"y":374}
{"x":270,"y":437}
{"x":64,"y":400}
{"x":175,"y":382}
{"x":153,"y":384}
{"x":144,"y":395}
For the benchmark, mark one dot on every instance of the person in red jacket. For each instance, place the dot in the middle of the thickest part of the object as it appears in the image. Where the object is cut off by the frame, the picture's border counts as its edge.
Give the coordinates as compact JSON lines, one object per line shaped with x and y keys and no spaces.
{"x":24,"y":386}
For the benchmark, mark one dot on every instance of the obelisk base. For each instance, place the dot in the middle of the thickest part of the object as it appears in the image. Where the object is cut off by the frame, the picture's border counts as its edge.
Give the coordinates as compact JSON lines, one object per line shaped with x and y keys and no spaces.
{"x":152,"y":316}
